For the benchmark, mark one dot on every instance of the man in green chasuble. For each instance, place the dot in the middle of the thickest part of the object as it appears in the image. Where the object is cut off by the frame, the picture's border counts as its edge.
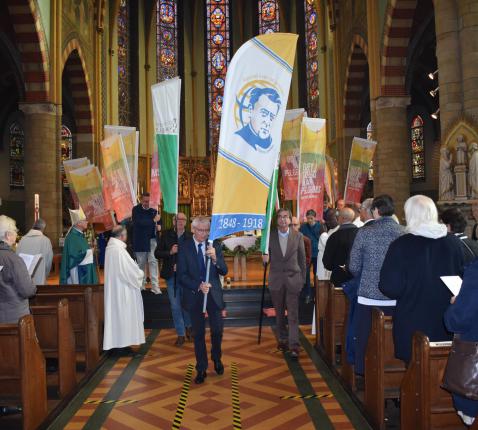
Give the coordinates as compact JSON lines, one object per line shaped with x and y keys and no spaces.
{"x":77,"y":261}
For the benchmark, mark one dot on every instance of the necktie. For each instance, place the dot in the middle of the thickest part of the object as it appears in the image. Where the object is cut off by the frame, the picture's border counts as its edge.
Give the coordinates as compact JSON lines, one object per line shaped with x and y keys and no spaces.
{"x":202,"y":265}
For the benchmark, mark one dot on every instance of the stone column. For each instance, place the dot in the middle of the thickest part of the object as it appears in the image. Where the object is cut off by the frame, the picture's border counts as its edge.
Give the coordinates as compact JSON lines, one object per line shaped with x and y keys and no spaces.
{"x":392,"y":156}
{"x":468,"y":27}
{"x":42,"y":166}
{"x":449,"y":67}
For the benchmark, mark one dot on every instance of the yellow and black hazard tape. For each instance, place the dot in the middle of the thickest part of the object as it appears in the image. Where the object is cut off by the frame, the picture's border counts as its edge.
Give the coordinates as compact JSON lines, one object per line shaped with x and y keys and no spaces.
{"x":109,"y":402}
{"x":309,"y":396}
{"x":178,"y":418}
{"x":236,"y":404}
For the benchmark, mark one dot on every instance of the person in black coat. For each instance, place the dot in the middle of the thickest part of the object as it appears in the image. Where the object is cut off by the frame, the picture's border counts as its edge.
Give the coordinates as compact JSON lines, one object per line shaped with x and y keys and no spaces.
{"x":166,"y":251}
{"x":339,"y":244}
{"x":455,"y":222}
{"x":191,"y":272}
{"x":411,"y":273}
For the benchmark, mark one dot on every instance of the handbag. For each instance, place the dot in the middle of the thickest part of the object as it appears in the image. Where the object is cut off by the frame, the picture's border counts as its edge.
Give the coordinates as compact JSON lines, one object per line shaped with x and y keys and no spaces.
{"x":461,"y":372}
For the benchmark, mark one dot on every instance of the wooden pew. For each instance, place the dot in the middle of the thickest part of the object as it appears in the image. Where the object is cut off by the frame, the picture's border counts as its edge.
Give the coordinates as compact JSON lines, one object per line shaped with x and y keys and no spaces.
{"x":321,"y":293}
{"x":23,"y":372}
{"x":424,"y":404}
{"x":83,"y":317}
{"x":333,"y":322}
{"x":98,"y":298}
{"x":57,"y":340}
{"x":383,"y":372}
{"x":347,"y":370}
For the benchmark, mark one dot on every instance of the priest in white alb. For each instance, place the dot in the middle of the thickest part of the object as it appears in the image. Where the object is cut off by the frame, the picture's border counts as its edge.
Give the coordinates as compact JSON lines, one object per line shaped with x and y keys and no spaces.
{"x":124,"y":315}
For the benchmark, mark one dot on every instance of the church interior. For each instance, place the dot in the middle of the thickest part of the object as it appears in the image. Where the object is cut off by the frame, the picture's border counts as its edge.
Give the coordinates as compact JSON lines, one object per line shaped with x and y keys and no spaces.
{"x":403,"y":73}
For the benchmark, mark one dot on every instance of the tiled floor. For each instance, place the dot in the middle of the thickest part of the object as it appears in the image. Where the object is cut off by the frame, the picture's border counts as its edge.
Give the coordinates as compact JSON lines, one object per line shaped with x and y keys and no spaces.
{"x":152,"y":381}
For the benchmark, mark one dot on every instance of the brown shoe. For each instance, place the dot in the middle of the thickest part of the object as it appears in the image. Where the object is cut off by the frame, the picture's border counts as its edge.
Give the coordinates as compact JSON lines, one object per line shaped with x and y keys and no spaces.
{"x":283,"y":346}
{"x":189,"y":334}
{"x":179,"y":341}
{"x":294,"y":354}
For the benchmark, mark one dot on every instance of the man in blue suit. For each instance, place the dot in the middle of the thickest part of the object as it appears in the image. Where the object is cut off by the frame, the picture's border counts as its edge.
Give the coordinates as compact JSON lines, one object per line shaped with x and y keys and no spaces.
{"x":191,"y":277}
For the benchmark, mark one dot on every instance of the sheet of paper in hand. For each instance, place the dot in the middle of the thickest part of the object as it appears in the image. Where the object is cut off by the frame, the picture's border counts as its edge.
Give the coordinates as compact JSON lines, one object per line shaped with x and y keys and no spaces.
{"x":453,"y":283}
{"x":31,"y":261}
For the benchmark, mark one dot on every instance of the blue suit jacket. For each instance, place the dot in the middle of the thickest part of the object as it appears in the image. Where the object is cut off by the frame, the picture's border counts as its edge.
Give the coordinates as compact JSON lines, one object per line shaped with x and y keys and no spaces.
{"x":189,"y":279}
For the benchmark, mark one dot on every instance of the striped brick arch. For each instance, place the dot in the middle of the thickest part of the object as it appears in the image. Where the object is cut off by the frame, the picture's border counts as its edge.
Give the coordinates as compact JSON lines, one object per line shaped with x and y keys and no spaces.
{"x":31,"y":43}
{"x":397,"y":32}
{"x":75,"y":69}
{"x":356,"y":81}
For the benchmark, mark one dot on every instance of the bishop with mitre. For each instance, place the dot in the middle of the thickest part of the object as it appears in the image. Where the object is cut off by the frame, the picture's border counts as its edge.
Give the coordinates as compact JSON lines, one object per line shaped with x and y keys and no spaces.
{"x":77,"y":260}
{"x":124,"y":315}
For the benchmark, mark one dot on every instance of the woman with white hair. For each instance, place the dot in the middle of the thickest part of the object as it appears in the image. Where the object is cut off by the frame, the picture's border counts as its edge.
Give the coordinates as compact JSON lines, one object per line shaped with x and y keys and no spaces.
{"x":411,"y":273}
{"x":16,"y":285}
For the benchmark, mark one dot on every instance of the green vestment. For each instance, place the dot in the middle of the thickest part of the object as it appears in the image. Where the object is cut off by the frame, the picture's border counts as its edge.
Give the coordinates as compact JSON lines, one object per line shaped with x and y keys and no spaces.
{"x":74,"y":251}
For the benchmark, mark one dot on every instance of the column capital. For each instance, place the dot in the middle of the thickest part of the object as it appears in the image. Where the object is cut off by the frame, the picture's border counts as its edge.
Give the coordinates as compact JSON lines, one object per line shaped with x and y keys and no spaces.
{"x":390,"y":102}
{"x":36,"y":108}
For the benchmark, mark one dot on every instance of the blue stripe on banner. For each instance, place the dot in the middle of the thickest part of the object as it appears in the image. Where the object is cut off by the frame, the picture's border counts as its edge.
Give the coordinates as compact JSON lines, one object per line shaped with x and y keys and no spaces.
{"x":244,"y":165}
{"x":225,"y":224}
{"x":272,"y":54}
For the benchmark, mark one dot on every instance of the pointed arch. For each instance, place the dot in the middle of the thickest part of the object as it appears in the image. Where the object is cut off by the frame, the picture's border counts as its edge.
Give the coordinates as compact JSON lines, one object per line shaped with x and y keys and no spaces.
{"x":396,"y":37}
{"x":74,"y":66}
{"x":32,"y":45}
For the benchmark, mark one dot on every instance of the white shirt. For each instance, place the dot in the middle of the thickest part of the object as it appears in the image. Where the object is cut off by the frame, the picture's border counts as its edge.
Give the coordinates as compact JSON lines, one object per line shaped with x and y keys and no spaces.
{"x":285,"y":234}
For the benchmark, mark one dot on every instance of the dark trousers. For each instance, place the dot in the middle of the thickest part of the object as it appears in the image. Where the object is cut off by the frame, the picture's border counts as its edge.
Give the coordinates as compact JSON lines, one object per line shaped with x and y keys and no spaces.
{"x":307,"y":288}
{"x":282,"y":299}
{"x":363,"y":325}
{"x":198,"y":321}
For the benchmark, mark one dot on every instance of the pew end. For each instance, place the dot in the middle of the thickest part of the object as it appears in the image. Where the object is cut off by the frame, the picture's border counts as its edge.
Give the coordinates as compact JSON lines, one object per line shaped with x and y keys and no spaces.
{"x":23,"y":372}
{"x":57,"y":340}
{"x":424,"y":404}
{"x":84,"y":320}
{"x":383,"y":372}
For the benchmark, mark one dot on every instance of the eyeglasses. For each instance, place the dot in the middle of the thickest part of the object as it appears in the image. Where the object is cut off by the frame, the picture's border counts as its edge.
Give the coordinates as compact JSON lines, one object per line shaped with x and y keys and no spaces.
{"x":181,"y":219}
{"x":201,"y":230}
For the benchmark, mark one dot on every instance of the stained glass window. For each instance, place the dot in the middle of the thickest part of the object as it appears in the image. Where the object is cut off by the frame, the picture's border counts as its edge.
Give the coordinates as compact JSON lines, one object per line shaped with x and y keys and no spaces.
{"x":418,"y":148}
{"x":166,"y":39}
{"x":66,"y":150}
{"x":268,"y":16}
{"x":218,"y":57}
{"x":312,"y":56}
{"x":369,"y":137}
{"x":17,"y":144}
{"x":124,"y":70}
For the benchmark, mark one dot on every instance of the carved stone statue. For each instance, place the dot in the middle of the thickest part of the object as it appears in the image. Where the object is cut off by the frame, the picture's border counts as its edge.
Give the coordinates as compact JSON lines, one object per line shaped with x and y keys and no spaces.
{"x":473,"y":170}
{"x":461,"y":150}
{"x":446,"y":175}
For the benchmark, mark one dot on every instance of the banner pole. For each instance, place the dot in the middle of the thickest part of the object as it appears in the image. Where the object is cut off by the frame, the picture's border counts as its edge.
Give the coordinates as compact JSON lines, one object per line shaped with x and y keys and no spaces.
{"x":208,"y":269}
{"x":261,"y":315}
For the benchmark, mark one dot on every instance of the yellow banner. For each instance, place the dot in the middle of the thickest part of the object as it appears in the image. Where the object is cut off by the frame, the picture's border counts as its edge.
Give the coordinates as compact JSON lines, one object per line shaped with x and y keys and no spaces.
{"x":87,"y":184}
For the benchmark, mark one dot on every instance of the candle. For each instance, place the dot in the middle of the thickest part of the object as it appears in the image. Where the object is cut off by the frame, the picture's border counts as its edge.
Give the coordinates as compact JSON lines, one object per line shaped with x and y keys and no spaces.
{"x":37,"y":206}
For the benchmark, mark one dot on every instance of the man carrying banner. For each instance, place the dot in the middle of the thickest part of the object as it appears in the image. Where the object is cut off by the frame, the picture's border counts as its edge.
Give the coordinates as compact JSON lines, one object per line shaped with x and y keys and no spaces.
{"x":191,"y":276}
{"x":77,"y":262}
{"x":146,"y":221}
{"x":286,"y":279}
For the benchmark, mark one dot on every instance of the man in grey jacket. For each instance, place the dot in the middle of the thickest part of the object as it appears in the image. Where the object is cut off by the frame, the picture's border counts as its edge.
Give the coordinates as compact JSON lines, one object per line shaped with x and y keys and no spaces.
{"x":286,"y":278}
{"x":33,"y":243}
{"x":366,"y":258}
{"x":16,"y":285}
